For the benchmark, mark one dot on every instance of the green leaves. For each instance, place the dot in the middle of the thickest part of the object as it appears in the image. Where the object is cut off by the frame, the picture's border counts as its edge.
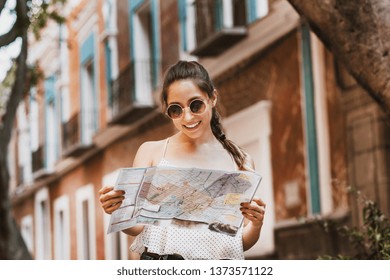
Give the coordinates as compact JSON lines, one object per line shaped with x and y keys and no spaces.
{"x":371,"y":240}
{"x":40,"y":12}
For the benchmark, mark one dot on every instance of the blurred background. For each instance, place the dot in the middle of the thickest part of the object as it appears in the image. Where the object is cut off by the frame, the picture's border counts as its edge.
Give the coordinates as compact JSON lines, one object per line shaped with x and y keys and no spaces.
{"x":312,"y":131}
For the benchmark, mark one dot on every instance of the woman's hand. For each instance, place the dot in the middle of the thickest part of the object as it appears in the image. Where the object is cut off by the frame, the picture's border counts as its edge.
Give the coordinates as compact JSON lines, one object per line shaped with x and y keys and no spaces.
{"x":254,"y":211}
{"x":110,"y":199}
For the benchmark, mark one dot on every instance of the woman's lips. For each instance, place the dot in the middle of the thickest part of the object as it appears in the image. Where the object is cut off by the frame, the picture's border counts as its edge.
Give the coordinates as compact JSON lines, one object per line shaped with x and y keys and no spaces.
{"x":192,"y":126}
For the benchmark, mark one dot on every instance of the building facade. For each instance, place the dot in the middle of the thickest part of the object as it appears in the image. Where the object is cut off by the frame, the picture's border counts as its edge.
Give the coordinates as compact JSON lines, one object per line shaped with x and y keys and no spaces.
{"x":283,"y":98}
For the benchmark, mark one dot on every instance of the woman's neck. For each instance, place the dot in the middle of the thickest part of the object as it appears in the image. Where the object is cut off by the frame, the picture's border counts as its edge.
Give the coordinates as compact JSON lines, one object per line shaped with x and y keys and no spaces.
{"x":205,"y":140}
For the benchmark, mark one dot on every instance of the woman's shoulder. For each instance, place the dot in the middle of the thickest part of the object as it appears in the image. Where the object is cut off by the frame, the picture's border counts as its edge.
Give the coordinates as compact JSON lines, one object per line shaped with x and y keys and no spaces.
{"x":149,"y":153}
{"x":153,"y":145}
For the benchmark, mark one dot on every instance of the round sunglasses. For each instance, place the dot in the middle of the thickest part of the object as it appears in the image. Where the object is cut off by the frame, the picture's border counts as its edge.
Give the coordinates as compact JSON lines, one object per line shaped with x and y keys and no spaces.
{"x":175,"y":111}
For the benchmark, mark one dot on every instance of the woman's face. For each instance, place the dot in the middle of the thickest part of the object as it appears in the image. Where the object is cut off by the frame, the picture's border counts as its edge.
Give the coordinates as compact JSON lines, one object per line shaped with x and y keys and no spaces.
{"x":183,"y":92}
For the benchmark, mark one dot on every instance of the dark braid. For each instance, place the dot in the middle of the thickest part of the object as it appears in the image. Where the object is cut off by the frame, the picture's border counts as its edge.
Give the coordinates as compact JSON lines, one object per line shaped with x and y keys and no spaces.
{"x":218,"y":131}
{"x":198,"y":74}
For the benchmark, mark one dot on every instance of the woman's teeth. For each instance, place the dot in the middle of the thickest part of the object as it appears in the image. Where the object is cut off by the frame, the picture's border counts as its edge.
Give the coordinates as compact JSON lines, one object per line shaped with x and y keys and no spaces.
{"x":192,"y":125}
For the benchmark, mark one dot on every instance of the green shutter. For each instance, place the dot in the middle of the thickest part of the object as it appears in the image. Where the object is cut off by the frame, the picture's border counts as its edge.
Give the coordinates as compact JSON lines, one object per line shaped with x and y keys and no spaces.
{"x":311,"y":139}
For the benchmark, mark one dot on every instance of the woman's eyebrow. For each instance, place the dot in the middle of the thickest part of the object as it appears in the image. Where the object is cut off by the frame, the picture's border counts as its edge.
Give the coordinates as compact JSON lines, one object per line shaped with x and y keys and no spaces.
{"x":175,"y":103}
{"x":188,"y":101}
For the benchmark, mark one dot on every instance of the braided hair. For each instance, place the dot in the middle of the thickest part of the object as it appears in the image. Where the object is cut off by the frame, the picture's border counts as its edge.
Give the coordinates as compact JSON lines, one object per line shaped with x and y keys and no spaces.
{"x":198,"y":74}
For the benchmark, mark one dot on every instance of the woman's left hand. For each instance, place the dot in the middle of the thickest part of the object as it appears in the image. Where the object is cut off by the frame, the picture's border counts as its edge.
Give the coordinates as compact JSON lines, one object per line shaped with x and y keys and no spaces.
{"x":254,"y":211}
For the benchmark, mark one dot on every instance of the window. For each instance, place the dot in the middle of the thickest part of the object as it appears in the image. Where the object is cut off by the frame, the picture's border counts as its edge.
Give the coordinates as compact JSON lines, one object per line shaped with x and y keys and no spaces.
{"x":256,"y":9}
{"x":220,"y":24}
{"x":26,"y":228}
{"x":85,"y":218}
{"x":51,"y":127}
{"x":116,"y":245}
{"x":110,"y":45}
{"x":88,"y":114}
{"x":35,"y":138}
{"x":24,"y":154}
{"x":144,"y":36}
{"x":42,"y":226}
{"x":89,"y":99}
{"x":187,"y":24}
{"x":34,"y":120}
{"x":61,"y":228}
{"x":64,"y":70}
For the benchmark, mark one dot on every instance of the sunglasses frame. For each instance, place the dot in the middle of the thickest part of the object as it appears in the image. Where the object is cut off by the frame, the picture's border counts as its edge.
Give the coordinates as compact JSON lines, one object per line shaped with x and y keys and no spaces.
{"x":183,"y":109}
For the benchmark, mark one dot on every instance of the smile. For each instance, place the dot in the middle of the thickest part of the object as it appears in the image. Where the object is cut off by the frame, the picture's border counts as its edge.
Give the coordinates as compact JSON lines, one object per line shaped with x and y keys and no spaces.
{"x":192,"y":125}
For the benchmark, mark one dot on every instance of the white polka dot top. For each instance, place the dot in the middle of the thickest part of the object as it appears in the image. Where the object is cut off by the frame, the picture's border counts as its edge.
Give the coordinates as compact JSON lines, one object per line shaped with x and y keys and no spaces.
{"x":192,"y":244}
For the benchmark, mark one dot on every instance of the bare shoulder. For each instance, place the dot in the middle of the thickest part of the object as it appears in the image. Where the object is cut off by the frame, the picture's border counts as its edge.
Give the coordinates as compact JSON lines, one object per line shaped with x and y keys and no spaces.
{"x":148,"y":153}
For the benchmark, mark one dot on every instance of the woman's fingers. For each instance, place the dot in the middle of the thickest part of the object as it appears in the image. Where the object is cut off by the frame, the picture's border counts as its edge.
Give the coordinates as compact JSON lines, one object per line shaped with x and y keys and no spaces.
{"x":105,"y":189}
{"x":110,"y":199}
{"x":113,"y":201}
{"x":254,"y":211}
{"x":109,"y":208}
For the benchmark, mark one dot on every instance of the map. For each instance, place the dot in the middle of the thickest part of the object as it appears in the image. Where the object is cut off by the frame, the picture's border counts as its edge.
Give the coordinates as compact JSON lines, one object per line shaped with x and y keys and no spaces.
{"x":186,"y":197}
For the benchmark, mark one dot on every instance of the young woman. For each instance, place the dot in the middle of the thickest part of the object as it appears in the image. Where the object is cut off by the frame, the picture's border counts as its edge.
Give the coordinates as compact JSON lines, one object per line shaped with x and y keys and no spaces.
{"x":189,"y":99}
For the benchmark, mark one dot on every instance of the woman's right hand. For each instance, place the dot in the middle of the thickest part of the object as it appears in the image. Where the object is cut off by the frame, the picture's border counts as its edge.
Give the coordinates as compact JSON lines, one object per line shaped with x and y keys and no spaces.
{"x":110,"y":199}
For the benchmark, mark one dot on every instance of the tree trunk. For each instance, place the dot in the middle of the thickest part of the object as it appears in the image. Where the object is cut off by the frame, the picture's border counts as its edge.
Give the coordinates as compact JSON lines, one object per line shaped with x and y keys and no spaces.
{"x":12,"y":246}
{"x":358,"y":34}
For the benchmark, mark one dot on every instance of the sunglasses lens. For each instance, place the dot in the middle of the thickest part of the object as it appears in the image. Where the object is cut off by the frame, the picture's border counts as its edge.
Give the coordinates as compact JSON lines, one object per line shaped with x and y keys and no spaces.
{"x":174,"y":111}
{"x":197,"y":106}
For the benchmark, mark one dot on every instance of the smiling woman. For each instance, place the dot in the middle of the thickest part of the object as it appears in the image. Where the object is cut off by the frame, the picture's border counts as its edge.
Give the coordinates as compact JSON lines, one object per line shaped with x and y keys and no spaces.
{"x":189,"y":98}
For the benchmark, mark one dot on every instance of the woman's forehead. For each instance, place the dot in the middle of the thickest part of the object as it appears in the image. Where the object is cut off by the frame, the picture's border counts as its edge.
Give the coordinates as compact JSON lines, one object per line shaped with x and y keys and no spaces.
{"x":182,"y":91}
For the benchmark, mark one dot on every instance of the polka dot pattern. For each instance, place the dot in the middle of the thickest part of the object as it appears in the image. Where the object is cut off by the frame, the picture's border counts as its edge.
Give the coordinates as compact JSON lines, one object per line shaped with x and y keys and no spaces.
{"x":190,"y":243}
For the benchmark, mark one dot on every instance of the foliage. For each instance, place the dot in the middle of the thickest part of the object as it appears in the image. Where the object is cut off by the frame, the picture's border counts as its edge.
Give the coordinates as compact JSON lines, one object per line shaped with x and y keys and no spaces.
{"x":35,"y":74}
{"x":371,"y":240}
{"x":41,"y":11}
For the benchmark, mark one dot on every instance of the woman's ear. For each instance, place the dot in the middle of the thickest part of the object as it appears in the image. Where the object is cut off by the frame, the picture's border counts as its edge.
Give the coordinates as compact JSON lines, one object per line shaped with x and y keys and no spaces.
{"x":215,"y":97}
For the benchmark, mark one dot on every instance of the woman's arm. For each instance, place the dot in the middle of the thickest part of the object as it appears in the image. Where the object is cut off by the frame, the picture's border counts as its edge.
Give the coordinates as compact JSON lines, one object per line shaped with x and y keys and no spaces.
{"x":111,"y":199}
{"x":254,"y":215}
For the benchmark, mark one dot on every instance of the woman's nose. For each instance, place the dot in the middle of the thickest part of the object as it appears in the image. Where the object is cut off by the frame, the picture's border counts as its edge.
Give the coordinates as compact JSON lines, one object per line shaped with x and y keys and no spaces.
{"x":187,"y":114}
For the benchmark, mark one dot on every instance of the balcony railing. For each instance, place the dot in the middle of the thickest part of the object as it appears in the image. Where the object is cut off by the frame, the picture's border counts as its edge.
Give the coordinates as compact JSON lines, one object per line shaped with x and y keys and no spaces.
{"x":216,"y":29}
{"x":20,"y":176}
{"x":71,"y":137}
{"x":37,"y":160}
{"x":131,"y":91}
{"x":38,"y":164}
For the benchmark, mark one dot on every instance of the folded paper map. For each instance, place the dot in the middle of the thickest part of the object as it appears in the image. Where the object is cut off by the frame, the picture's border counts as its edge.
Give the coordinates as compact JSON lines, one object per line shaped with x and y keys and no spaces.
{"x":189,"y":197}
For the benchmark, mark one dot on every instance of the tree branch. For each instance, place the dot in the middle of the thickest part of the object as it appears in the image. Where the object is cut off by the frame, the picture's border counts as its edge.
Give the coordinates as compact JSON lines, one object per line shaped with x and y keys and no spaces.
{"x":2,"y":4}
{"x":18,"y":88}
{"x":357,"y":34}
{"x":10,"y":36}
{"x":21,"y":24}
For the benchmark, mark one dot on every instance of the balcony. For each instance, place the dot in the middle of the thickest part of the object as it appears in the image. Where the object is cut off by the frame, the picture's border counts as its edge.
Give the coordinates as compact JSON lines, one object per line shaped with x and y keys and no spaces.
{"x":20,"y":176}
{"x":219,"y":27}
{"x":131,"y":93}
{"x":71,"y":138}
{"x":38,"y":165}
{"x":37,"y":160}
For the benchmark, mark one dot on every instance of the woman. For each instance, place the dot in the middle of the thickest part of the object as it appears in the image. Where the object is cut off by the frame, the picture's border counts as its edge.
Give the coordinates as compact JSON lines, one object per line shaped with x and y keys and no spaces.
{"x":189,"y":99}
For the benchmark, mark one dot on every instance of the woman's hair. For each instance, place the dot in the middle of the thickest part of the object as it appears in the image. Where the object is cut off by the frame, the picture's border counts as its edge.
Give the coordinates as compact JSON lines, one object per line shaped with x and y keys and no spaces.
{"x":195,"y":72}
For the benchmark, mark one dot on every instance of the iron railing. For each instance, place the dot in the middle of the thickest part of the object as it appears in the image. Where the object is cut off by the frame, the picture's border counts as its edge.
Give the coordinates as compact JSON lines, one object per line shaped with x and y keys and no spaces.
{"x":134,"y":81}
{"x":71,"y":132}
{"x":210,"y":17}
{"x":37,"y":159}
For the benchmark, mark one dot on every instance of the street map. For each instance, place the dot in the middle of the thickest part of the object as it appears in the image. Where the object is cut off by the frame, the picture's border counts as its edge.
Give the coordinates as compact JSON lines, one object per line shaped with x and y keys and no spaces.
{"x":201,"y":198}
